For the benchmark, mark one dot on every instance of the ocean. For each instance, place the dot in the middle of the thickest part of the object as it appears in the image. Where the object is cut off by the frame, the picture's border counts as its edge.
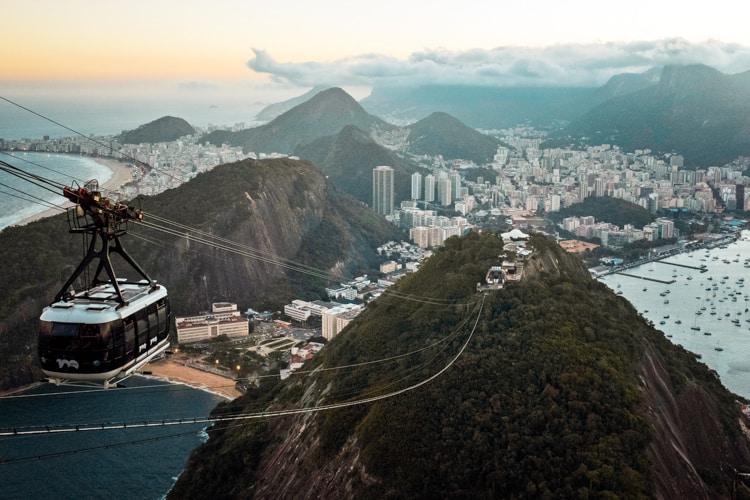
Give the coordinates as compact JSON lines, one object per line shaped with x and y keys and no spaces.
{"x":138,"y":463}
{"x":707,"y":313}
{"x":20,"y":199}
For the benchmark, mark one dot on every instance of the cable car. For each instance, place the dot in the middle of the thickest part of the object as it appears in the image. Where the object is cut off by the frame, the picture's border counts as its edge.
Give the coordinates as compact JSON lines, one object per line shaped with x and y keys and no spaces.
{"x":108,"y":328}
{"x":90,"y":338}
{"x":494,"y":279}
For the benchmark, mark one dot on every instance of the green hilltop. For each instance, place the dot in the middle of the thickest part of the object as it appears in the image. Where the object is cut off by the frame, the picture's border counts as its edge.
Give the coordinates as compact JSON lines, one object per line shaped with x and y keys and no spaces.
{"x":563,"y":390}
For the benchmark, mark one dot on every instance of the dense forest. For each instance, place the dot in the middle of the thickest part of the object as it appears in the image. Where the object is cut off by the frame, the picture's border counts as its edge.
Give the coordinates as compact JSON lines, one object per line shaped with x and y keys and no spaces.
{"x":552,"y":397}
{"x":607,"y":209}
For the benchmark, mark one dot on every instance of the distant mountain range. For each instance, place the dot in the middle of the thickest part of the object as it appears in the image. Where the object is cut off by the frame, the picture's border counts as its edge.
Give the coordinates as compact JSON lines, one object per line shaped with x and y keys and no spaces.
{"x":694,"y":110}
{"x":324,"y":114}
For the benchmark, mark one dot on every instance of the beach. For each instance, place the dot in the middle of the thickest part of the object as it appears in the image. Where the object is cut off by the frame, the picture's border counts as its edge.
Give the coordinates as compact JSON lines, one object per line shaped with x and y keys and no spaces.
{"x":121,"y":173}
{"x":174,"y":369}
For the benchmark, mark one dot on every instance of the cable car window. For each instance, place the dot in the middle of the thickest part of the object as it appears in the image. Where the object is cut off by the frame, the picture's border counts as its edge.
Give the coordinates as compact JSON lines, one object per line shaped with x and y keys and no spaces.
{"x":129,"y":330}
{"x":163,"y":312}
{"x":89,"y":330}
{"x":142,"y":321}
{"x":153,"y":322}
{"x":65,"y":329}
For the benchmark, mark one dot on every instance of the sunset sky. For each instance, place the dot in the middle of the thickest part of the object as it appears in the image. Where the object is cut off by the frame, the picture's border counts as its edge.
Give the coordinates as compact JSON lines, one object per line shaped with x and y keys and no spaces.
{"x":223,"y":46}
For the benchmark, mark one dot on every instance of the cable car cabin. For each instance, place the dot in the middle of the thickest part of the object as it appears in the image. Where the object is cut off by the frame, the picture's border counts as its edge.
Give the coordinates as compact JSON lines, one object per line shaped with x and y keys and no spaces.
{"x":89,"y":339}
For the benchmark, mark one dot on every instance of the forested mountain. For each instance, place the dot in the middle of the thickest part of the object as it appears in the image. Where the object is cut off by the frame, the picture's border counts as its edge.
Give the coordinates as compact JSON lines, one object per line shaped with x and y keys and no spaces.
{"x":442,"y":134}
{"x":273,"y":110}
{"x":283,"y":208}
{"x":606,"y":209}
{"x":165,"y":129}
{"x":695,"y":110}
{"x":325,"y":114}
{"x":349,"y":157}
{"x":553,"y":387}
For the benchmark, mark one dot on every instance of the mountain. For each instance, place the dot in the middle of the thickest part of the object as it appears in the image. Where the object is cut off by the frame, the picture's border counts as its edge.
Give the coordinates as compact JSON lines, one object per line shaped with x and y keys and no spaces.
{"x":283,"y":208}
{"x":552,"y":387}
{"x":348,"y":159}
{"x":445,"y":135}
{"x":325,"y":114}
{"x":694,"y":110}
{"x":165,"y":129}
{"x":273,"y":110}
{"x":477,"y":107}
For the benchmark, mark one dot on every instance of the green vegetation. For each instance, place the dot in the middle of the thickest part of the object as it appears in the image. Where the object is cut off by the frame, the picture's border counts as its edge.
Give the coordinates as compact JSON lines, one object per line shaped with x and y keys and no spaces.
{"x":442,"y":134}
{"x":607,"y":209}
{"x":283,"y":208}
{"x":165,"y":129}
{"x":545,"y":402}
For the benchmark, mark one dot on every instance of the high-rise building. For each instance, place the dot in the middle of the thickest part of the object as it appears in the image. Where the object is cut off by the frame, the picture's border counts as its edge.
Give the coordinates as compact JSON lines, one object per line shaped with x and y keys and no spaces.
{"x":444,"y":191}
{"x":382,"y":190}
{"x":416,"y":186}
{"x":740,"y":195}
{"x":455,"y":179}
{"x":429,"y":188}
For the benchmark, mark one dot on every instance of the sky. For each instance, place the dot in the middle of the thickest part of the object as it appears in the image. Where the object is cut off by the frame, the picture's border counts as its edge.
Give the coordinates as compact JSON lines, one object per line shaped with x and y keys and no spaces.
{"x":185,"y":49}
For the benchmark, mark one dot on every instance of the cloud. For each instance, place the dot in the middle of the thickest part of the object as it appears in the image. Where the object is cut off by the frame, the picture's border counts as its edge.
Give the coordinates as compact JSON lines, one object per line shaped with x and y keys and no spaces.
{"x":557,"y":65}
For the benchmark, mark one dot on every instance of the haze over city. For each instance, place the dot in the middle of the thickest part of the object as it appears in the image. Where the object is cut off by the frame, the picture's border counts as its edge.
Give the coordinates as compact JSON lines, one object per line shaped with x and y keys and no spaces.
{"x":229,"y":51}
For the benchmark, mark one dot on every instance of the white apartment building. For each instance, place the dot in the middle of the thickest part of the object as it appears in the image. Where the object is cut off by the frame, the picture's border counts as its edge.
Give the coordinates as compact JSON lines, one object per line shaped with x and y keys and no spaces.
{"x":224,"y":319}
{"x":336,"y":318}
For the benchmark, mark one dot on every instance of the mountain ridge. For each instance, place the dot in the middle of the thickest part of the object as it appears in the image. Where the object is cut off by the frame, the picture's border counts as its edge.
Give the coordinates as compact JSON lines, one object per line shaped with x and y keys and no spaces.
{"x":326,"y":113}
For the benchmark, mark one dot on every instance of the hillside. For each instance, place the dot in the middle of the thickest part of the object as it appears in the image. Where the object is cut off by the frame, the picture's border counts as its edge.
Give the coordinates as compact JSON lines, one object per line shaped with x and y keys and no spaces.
{"x":694,"y":110}
{"x":348,"y":159}
{"x":562,"y":391}
{"x":283,"y":208}
{"x":607,"y":209}
{"x":442,"y":134}
{"x":273,"y":110}
{"x":325,"y":114}
{"x":165,"y":129}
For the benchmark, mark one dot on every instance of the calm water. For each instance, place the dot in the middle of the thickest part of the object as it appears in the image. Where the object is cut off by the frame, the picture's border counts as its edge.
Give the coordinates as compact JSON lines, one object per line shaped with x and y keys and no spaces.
{"x":20,"y":199}
{"x":721,"y":296}
{"x":139,"y":463}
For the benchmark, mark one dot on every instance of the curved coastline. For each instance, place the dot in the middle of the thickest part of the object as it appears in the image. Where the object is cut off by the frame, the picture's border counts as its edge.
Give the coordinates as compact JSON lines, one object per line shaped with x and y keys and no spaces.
{"x":174,"y":372}
{"x":120,"y":173}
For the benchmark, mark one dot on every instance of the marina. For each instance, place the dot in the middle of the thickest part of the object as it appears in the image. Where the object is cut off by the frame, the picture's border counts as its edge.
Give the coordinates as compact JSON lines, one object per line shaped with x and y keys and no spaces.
{"x":703,"y":308}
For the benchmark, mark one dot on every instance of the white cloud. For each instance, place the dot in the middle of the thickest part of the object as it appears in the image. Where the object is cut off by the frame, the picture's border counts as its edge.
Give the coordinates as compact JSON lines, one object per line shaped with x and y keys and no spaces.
{"x":557,"y":65}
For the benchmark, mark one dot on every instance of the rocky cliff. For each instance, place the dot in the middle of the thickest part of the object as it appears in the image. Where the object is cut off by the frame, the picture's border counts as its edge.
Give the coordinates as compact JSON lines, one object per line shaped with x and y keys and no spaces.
{"x":257,"y":233}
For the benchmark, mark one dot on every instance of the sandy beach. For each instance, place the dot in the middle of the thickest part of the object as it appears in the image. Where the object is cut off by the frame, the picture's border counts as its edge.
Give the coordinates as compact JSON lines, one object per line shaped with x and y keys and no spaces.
{"x":121,"y":173}
{"x":173,"y":370}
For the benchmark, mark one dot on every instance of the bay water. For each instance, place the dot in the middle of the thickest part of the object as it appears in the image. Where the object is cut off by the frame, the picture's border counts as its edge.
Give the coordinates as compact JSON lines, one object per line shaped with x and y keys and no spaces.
{"x":140,"y":463}
{"x":124,"y":463}
{"x":707,"y":313}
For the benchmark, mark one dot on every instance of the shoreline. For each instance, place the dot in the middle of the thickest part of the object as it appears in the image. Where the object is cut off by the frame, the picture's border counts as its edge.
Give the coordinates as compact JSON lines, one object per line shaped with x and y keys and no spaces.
{"x":170,"y":371}
{"x":120,"y":174}
{"x":176,"y":372}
